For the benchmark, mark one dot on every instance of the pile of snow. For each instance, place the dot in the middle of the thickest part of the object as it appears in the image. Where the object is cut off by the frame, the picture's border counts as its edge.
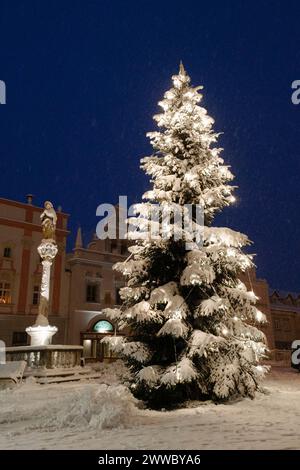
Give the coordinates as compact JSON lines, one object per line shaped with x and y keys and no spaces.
{"x":49,"y":408}
{"x":100,"y":407}
{"x":30,"y":381}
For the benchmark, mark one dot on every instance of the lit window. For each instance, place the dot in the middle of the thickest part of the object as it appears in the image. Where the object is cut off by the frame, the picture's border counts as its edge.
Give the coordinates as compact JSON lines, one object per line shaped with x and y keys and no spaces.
{"x":91,"y":293}
{"x":103,"y":326}
{"x":7,"y":252}
{"x":5,"y":293}
{"x":35,"y":295}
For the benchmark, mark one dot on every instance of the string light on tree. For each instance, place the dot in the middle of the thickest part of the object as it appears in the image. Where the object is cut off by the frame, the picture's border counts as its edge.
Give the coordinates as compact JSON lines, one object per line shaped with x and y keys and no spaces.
{"x":191,"y":318}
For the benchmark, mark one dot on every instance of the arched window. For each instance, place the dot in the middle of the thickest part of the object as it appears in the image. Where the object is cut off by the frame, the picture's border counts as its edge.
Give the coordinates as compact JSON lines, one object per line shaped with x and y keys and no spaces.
{"x":5,"y":292}
{"x":103,"y":326}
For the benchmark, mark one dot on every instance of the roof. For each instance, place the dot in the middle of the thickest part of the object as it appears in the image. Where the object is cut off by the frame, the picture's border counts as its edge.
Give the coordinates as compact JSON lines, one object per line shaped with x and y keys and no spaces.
{"x":284,"y":294}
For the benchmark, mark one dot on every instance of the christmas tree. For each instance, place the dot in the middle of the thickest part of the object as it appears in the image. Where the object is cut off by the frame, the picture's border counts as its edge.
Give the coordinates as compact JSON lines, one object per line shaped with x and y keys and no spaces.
{"x":193,"y":323}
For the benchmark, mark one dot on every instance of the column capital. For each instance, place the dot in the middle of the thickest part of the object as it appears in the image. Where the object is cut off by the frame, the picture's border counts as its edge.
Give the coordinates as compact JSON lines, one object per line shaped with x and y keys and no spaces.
{"x":47,"y":250}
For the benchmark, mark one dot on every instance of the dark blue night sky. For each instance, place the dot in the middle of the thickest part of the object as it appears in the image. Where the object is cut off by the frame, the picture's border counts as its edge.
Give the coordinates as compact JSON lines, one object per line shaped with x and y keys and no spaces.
{"x":83,"y":81}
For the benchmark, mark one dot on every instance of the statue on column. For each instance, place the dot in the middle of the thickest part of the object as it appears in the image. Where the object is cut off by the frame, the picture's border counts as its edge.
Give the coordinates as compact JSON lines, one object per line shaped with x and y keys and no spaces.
{"x":41,"y":332}
{"x":48,"y":219}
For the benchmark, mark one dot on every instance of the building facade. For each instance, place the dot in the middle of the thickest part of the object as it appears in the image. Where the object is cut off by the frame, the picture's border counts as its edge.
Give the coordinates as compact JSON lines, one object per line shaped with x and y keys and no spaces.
{"x":84,"y":284}
{"x":282,"y":310}
{"x":20,"y":271}
{"x":94,"y":286}
{"x":285,"y":312}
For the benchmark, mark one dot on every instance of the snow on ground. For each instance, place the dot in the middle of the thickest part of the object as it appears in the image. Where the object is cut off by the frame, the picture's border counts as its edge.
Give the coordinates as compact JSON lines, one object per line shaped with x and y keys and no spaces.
{"x":92,"y":415}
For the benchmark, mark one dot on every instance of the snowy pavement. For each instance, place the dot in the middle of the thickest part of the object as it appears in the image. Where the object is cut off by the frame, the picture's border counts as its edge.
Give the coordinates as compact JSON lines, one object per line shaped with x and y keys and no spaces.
{"x":94,"y":416}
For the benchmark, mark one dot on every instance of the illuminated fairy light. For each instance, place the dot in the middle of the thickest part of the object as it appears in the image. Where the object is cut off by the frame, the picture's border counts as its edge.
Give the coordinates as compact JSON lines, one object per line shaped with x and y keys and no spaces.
{"x":177,"y":315}
{"x":259,"y":315}
{"x":206,"y":182}
{"x":231,"y":252}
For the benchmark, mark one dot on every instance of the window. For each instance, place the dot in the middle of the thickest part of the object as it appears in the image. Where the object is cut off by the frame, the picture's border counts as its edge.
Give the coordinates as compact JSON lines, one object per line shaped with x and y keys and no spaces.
{"x":114,"y":247}
{"x":19,"y":338}
{"x":7,"y":252}
{"x":123,"y":249}
{"x":282,"y":324}
{"x":107,"y":352}
{"x":286,"y":325}
{"x":277,"y":324}
{"x":91,"y":293}
{"x":103,"y":326}
{"x":282,"y":345}
{"x":5,"y":293}
{"x":35,"y":295}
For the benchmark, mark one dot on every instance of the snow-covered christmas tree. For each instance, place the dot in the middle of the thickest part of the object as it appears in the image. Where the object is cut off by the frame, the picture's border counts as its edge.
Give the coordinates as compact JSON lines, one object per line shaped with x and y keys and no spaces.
{"x":193,"y":323}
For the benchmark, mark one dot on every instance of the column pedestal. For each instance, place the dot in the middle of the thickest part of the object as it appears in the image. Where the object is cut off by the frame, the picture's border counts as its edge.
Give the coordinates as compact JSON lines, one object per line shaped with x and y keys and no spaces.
{"x":41,"y":335}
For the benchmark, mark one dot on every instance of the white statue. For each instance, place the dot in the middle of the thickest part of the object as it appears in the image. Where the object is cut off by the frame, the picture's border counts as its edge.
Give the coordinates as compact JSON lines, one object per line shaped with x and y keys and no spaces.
{"x":48,"y":218}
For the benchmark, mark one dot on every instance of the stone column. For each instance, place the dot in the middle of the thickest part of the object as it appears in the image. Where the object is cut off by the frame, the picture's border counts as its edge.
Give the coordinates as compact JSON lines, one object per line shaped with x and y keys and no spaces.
{"x":41,"y":332}
{"x":47,"y":251}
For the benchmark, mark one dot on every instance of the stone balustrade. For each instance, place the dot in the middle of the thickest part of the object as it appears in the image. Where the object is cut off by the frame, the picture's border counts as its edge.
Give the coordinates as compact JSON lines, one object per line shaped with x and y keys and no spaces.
{"x":49,"y":357}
